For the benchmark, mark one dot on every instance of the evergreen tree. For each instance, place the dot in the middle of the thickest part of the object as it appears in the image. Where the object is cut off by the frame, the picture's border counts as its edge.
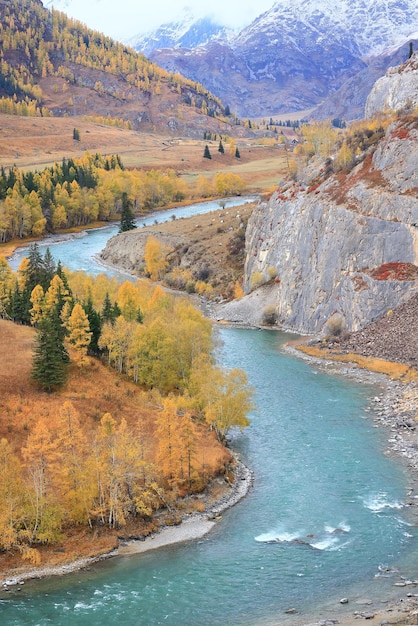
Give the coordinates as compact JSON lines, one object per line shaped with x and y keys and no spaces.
{"x":126,"y":217}
{"x":109,"y":311}
{"x":60,"y":272}
{"x":18,"y":308}
{"x":227,"y":111}
{"x":35,"y":274}
{"x":206,"y":154}
{"x":95,"y":324}
{"x":76,"y":134}
{"x":49,"y":267}
{"x":106,"y":313}
{"x":411,"y":49}
{"x":237,"y":154}
{"x":49,"y":368}
{"x":221,"y":147}
{"x":116,"y":312}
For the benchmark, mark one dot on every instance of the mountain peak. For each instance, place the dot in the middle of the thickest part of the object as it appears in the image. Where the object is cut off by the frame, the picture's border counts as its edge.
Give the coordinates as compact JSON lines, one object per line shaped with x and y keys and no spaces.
{"x":189,"y":31}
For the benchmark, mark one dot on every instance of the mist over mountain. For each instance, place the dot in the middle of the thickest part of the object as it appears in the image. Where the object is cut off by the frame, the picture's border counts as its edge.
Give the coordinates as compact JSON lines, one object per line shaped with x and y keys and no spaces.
{"x":187,"y":32}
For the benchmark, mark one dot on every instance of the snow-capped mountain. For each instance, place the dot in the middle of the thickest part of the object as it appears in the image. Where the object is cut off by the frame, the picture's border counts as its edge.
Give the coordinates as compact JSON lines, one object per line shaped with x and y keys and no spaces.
{"x":296,"y":54}
{"x":187,"y":32}
{"x":292,"y":57}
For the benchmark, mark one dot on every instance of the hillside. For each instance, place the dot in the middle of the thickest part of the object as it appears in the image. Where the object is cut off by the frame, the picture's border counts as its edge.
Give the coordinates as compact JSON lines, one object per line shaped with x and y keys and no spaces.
{"x":24,"y":408}
{"x":56,"y":66}
{"x":208,"y":247}
{"x":394,"y":337}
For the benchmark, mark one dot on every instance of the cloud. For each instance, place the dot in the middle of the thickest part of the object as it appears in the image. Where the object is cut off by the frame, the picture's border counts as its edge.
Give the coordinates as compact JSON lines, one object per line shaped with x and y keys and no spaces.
{"x":123,"y":19}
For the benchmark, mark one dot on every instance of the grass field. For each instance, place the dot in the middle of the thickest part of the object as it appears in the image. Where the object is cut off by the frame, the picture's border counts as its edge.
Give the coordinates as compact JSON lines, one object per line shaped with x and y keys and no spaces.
{"x":34,"y":143}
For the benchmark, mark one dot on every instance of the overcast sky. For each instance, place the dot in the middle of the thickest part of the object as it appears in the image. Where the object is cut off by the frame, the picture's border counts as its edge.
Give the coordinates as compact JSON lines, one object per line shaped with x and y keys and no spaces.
{"x":123,"y":19}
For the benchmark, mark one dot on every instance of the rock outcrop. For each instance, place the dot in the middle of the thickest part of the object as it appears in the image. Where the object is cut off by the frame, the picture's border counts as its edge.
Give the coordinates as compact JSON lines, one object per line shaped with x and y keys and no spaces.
{"x":396,"y":91}
{"x":346,"y":248}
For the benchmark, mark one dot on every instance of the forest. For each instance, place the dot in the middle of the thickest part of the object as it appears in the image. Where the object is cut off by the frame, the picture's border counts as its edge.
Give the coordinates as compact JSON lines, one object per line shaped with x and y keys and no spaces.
{"x":77,"y":192}
{"x":68,"y":472}
{"x":50,"y":43}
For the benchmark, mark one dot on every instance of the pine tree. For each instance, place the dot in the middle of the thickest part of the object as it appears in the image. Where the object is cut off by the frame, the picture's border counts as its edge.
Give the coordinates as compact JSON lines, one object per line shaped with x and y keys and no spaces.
{"x":49,"y":267}
{"x":76,"y":134}
{"x":95,"y":323}
{"x":127,"y":221}
{"x":206,"y":154}
{"x":221,"y":147}
{"x":49,"y":367}
{"x":237,"y":154}
{"x":34,"y":273}
{"x":106,"y":313}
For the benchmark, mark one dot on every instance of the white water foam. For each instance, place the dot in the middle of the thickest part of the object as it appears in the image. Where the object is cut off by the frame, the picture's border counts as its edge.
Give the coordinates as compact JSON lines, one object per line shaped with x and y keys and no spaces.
{"x":343,"y":527}
{"x":329,"y":542}
{"x":277,"y":536}
{"x":379,"y":502}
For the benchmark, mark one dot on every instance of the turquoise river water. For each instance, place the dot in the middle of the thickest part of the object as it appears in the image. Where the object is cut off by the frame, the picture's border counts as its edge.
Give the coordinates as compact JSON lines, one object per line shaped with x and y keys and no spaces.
{"x":321,"y":476}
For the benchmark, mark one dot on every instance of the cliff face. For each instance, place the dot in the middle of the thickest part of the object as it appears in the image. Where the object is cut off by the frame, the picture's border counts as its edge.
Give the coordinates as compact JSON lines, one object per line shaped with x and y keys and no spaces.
{"x":347,"y":248}
{"x":397,"y":90}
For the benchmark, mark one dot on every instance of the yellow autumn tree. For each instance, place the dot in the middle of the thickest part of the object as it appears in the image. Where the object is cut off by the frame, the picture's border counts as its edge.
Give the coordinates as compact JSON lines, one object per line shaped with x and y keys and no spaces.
{"x":117,"y":339}
{"x":168,"y":457}
{"x":40,"y":463}
{"x":79,"y":334}
{"x":12,"y":510}
{"x":55,"y":292}
{"x":120,"y":471}
{"x":224,"y":396}
{"x":203,"y":187}
{"x":6,"y":284}
{"x":75,"y":475}
{"x":37,"y":300}
{"x":155,"y":256}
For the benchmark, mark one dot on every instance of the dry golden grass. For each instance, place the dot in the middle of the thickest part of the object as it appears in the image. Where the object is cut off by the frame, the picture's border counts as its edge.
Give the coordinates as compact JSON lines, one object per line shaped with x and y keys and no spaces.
{"x":395,"y":371}
{"x":34,"y":143}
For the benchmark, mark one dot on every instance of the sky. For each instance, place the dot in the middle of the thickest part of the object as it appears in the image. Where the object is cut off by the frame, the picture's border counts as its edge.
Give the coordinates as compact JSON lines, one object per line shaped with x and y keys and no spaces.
{"x":123,"y":19}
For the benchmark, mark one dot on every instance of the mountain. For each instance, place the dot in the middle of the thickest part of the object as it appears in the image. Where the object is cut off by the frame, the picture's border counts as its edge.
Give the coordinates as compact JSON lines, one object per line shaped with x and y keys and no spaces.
{"x":349,"y":101}
{"x":54,"y":65}
{"x":187,"y":32}
{"x":295,"y":55}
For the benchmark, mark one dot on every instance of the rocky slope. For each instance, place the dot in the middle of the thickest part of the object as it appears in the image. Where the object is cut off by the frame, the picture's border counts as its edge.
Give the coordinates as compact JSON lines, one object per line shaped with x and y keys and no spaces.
{"x":346,"y":248}
{"x":393,"y":337}
{"x":397,"y":90}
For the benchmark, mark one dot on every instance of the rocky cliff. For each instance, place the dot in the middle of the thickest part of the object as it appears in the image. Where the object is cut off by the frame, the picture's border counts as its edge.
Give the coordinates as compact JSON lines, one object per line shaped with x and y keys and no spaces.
{"x":397,"y":90}
{"x":346,"y":248}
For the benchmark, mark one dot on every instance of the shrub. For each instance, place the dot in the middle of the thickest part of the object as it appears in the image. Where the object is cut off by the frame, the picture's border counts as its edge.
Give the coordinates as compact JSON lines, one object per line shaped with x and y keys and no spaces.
{"x":256,"y":280}
{"x":335,"y":327}
{"x":269,"y":315}
{"x":272,"y":272}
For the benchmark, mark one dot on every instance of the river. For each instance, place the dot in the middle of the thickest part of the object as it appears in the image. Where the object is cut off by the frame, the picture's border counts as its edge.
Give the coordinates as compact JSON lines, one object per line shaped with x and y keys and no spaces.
{"x":323,"y":520}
